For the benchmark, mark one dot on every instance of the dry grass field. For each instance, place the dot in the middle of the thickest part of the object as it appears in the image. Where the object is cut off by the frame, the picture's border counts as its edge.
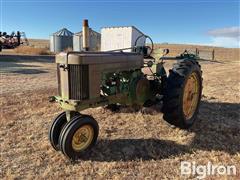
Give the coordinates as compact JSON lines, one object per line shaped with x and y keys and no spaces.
{"x":39,"y":43}
{"x":131,"y":145}
{"x":31,"y":50}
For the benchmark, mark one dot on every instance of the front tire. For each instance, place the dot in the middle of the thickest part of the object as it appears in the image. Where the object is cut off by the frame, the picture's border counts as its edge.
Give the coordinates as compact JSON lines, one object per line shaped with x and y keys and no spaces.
{"x":78,"y":136}
{"x":182,"y":94}
{"x":56,"y":127}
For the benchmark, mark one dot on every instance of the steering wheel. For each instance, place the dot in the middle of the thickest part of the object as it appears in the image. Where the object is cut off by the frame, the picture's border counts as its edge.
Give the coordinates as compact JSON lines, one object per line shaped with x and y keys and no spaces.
{"x":150,"y":48}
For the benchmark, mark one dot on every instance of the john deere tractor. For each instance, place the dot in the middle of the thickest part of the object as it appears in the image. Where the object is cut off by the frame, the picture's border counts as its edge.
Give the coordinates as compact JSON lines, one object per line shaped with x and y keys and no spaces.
{"x":92,"y":79}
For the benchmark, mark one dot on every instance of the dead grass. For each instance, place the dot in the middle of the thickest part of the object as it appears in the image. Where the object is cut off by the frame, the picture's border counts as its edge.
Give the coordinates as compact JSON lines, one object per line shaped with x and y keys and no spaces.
{"x":31,"y":50}
{"x":131,"y":145}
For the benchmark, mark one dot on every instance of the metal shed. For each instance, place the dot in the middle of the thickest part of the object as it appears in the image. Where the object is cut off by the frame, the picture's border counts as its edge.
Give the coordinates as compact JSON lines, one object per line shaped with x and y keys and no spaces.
{"x":121,"y":37}
{"x":61,"y":40}
{"x":94,"y":41}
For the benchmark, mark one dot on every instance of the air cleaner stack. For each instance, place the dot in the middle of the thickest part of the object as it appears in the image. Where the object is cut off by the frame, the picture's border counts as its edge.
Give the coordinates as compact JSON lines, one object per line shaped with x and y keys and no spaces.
{"x":85,"y":33}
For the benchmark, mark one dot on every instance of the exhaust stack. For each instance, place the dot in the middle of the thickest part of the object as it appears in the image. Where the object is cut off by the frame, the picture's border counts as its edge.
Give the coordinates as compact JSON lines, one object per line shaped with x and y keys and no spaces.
{"x":85,"y":35}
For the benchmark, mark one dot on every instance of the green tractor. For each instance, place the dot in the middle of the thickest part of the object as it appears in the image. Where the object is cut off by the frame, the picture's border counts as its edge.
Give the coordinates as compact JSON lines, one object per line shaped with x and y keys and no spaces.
{"x":92,"y":79}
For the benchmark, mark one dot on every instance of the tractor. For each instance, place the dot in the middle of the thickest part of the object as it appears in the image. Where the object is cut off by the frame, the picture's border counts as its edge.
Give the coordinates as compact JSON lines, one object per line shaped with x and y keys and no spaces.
{"x":92,"y":79}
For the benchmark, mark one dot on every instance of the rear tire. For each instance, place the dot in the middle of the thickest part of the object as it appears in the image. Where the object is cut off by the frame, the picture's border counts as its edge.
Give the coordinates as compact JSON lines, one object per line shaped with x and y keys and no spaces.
{"x":182,"y":94}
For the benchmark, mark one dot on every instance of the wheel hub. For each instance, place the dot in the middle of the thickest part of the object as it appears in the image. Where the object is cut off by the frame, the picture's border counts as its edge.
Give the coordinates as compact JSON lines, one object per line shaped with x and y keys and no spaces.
{"x":190,"y":96}
{"x":82,"y":138}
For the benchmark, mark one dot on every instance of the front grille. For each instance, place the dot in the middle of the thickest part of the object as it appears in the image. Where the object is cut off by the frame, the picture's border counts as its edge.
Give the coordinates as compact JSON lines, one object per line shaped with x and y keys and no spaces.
{"x":78,"y":82}
{"x":59,"y":80}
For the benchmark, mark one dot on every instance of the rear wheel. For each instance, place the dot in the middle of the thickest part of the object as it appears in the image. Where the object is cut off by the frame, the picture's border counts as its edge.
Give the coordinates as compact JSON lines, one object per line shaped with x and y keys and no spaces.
{"x":78,"y":136}
{"x":182,"y":94}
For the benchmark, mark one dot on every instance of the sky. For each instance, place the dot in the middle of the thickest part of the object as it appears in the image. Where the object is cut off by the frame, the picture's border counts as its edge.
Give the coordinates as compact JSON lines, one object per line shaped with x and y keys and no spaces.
{"x":206,"y":22}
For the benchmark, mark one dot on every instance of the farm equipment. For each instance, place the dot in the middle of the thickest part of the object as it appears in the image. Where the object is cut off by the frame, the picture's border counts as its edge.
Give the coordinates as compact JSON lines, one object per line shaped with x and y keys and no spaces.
{"x":13,"y":40}
{"x":92,"y":79}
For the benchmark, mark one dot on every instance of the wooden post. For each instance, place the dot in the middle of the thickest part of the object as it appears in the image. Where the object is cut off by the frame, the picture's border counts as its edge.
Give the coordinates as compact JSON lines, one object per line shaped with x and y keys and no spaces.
{"x":213,"y":54}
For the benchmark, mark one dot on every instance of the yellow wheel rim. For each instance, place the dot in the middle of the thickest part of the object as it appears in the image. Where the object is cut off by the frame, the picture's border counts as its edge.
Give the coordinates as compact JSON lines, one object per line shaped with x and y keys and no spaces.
{"x":191,"y":96}
{"x":82,"y":138}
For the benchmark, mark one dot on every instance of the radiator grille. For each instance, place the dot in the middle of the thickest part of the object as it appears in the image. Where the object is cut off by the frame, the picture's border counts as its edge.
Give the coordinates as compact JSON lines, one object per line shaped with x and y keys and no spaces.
{"x":78,"y":82}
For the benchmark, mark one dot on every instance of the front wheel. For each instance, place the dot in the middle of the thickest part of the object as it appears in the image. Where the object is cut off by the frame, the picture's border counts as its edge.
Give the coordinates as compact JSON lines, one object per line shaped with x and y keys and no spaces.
{"x":182,"y":94}
{"x":56,"y":127}
{"x":78,"y":136}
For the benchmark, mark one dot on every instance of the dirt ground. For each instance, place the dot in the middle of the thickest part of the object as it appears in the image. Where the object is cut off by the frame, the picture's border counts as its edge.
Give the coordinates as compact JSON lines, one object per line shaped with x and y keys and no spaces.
{"x":131,"y":145}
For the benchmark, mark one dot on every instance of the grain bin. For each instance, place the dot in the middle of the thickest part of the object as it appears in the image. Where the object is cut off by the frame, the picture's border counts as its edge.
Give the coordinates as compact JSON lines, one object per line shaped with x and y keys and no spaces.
{"x":121,"y":37}
{"x":94,"y":41}
{"x":61,"y":40}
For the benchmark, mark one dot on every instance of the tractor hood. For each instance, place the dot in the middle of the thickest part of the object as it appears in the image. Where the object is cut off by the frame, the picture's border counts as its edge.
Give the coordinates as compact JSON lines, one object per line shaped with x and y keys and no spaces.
{"x":132,"y":59}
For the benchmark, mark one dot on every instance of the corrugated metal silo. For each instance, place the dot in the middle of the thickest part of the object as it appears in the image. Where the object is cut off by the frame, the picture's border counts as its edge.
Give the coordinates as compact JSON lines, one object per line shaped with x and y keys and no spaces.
{"x":94,"y":38}
{"x":61,"y":40}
